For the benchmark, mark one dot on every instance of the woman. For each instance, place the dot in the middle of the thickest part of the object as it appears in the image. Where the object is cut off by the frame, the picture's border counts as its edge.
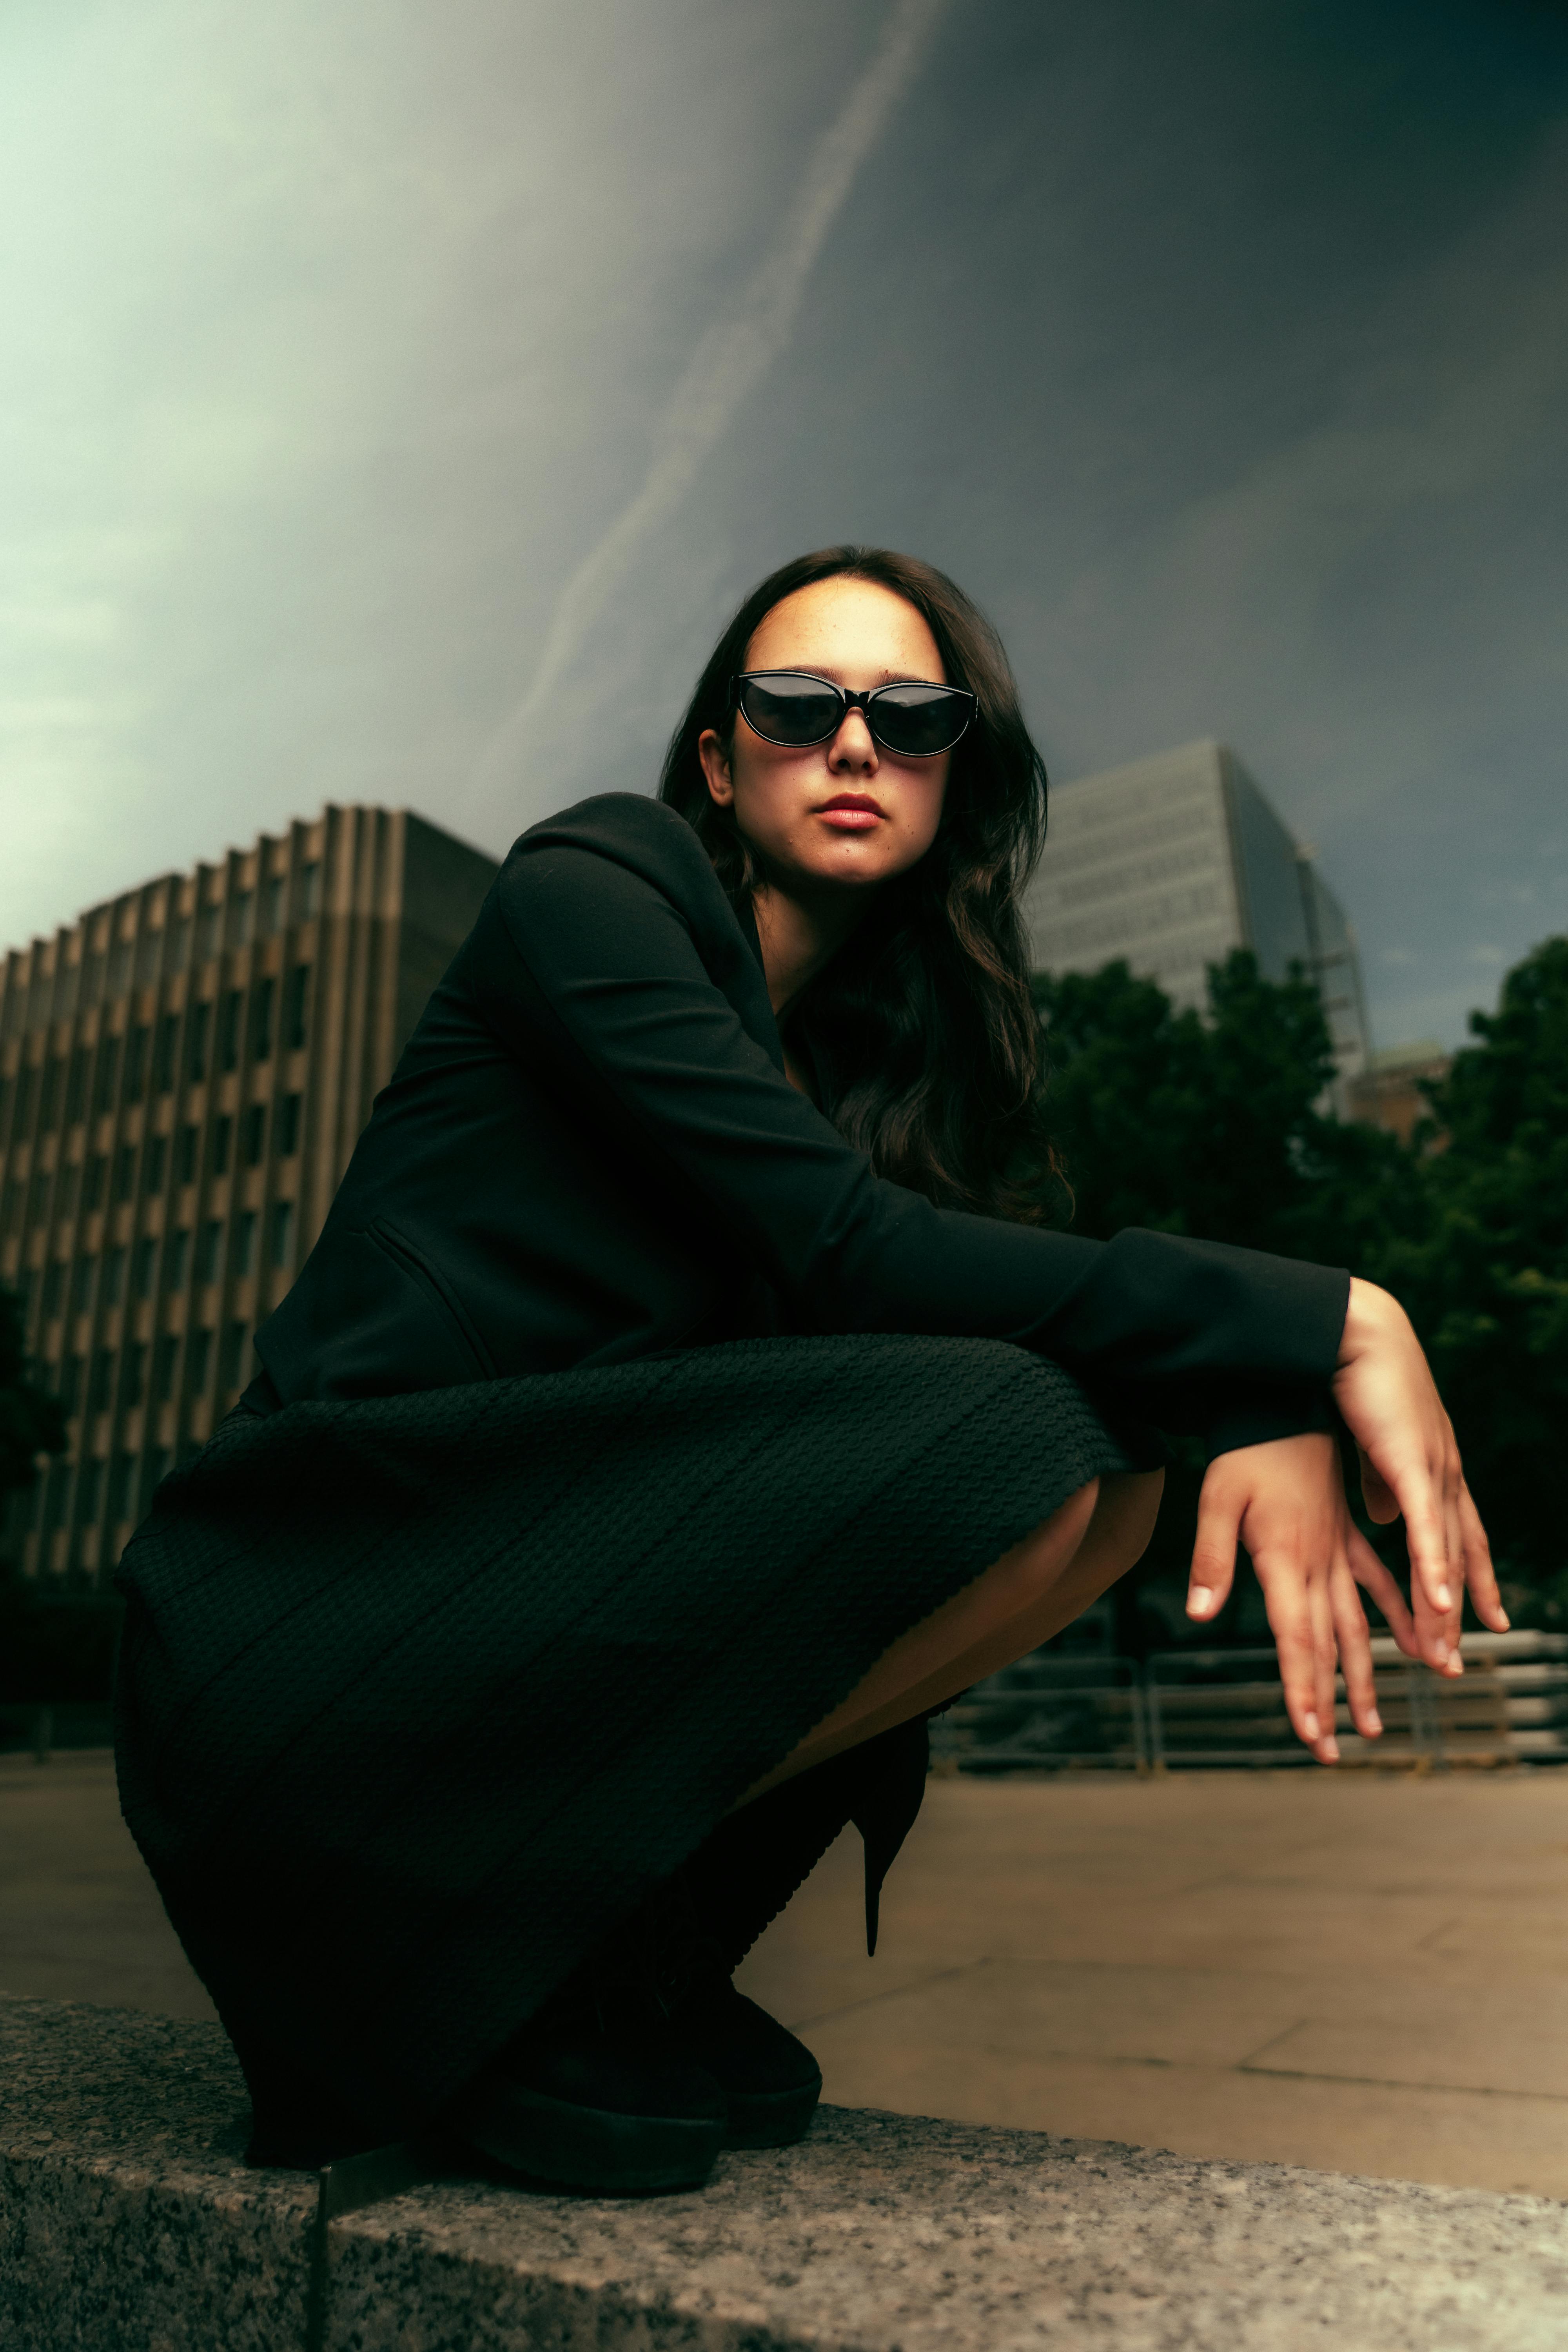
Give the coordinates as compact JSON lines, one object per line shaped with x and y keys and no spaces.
{"x":678,"y":1407}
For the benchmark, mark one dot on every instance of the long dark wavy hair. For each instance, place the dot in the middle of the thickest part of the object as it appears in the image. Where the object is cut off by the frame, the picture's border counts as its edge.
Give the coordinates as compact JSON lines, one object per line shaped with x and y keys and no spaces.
{"x":921,"y":1027}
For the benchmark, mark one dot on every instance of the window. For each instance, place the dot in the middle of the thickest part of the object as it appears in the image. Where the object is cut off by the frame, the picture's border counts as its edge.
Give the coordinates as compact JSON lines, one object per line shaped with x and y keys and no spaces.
{"x":146,"y":1266}
{"x":53,"y":1288}
{"x":310,"y":890}
{"x":69,"y":1186}
{"x":81,"y":1285}
{"x":177,"y":1259}
{"x":154,"y":1470}
{"x":136,"y":1046}
{"x":22,"y":1283}
{"x":245,"y":1242}
{"x":125,"y":1171}
{"x":223,"y":1144}
{"x":231,"y":1006}
{"x":287,"y":1127}
{"x":108,"y":1073}
{"x":120,"y":1487}
{"x":232,"y":1366}
{"x":255,"y":1134}
{"x":113,"y":1277}
{"x":261,"y":1010}
{"x":71,"y":1371}
{"x":26,"y":1078}
{"x":76,"y":1086}
{"x":282,"y":1250}
{"x":272,"y":904}
{"x":89,"y":1487}
{"x":92,"y":1190}
{"x":120,"y":967}
{"x":49,"y":1095}
{"x":196,"y":1033}
{"x":180,"y":952}
{"x":39,"y":1204}
{"x":295,"y":1005}
{"x":154,"y":1163}
{"x":134,"y":1375}
{"x":165,"y":1357}
{"x":240,"y":908}
{"x":58,"y":1511}
{"x":11,"y":1211}
{"x":166,"y":1056}
{"x":206,"y":933}
{"x":103,"y":1384}
{"x":199,"y":1360}
{"x":207,"y":1248}
{"x":185,"y":1153}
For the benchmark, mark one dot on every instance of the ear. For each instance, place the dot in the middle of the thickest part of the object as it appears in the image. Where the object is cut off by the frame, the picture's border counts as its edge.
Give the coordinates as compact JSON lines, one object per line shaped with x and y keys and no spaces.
{"x":716,"y":768}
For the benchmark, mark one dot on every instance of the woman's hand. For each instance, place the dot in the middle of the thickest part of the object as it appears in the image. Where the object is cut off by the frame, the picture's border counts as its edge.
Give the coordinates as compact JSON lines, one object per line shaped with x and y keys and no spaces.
{"x":1410,"y":1465}
{"x":1286,"y":1502}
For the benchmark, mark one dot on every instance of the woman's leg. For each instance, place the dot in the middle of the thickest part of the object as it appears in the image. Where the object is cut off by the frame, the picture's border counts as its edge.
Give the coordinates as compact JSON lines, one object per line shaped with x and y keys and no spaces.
{"x":1019,"y":1601}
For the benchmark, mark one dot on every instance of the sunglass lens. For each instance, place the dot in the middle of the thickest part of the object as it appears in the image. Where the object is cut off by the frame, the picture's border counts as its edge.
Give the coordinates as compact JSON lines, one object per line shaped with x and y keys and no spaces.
{"x":789,"y":709}
{"x":919,"y":720}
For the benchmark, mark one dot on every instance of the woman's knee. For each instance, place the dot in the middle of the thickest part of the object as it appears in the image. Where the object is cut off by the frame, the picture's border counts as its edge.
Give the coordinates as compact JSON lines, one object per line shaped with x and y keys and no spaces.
{"x":1026,"y":1574}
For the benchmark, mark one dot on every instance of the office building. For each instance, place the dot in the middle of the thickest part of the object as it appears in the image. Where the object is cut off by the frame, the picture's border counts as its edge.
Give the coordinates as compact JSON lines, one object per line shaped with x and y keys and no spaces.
{"x":1171,"y":862}
{"x":183,"y":1073}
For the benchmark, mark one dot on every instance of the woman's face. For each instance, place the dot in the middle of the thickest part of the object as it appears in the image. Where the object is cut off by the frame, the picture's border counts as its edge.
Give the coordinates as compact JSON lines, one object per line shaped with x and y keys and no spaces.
{"x":845,"y":811}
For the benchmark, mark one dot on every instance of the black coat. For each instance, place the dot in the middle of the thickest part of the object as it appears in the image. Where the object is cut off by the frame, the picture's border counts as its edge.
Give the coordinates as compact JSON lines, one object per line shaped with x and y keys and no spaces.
{"x":590,"y":1153}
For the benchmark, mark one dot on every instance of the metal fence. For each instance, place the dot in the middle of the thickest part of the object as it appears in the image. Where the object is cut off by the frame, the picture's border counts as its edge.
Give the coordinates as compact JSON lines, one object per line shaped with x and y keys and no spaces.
{"x":1204,"y":1709}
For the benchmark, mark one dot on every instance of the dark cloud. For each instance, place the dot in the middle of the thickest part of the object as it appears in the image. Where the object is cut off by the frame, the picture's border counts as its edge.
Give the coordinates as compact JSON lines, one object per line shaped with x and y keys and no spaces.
{"x":1221,"y":351}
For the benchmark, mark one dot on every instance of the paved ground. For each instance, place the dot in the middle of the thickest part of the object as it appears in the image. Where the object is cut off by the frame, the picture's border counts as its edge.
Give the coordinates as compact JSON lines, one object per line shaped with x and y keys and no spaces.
{"x":1363,"y":1973}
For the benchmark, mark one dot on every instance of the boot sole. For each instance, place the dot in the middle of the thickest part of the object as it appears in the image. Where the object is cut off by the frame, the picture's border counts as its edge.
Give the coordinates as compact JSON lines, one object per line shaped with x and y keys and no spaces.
{"x":772,"y":2118}
{"x":588,"y":2147}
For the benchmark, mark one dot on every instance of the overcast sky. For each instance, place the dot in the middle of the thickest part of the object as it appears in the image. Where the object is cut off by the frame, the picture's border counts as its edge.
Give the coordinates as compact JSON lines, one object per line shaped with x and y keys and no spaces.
{"x":394,"y":397}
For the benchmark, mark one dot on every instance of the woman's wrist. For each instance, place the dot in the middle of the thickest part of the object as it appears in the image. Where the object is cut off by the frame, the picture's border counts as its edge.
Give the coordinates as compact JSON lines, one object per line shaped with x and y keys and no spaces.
{"x":1371,"y":1315}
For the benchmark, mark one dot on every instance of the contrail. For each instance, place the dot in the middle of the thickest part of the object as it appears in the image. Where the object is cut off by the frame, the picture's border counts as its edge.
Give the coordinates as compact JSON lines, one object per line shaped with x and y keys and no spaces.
{"x":735,"y":351}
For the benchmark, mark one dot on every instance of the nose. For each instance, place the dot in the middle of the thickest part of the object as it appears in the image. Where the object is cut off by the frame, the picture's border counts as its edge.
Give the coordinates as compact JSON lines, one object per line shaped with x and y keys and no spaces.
{"x":853,"y":750}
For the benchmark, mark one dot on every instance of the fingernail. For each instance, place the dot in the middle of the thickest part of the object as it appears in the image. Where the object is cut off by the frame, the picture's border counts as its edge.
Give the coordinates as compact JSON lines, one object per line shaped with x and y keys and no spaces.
{"x":1201,"y":1601}
{"x":1331,"y":1751}
{"x":1440,"y":1651}
{"x":1373,"y":1723}
{"x":1310,"y":1725}
{"x":1504,"y":1615}
{"x":1443,"y":1597}
{"x":1456,"y":1664}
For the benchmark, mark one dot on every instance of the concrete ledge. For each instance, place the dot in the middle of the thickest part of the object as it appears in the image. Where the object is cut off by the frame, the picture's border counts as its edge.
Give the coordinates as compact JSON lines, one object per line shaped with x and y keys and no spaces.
{"x":128,"y":2223}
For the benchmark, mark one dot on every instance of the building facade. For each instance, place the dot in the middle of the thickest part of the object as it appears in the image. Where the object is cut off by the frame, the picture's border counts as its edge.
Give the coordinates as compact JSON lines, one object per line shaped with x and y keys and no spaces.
{"x":184,"y":1074}
{"x":1173,"y":861}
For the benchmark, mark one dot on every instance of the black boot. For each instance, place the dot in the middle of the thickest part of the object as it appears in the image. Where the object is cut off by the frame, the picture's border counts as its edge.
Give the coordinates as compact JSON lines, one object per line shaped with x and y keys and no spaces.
{"x":597,"y":2091}
{"x":740,"y":1878}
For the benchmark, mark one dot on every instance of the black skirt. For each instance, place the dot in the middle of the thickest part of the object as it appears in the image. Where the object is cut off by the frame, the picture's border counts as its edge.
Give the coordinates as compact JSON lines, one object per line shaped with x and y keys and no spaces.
{"x":417,"y":1696}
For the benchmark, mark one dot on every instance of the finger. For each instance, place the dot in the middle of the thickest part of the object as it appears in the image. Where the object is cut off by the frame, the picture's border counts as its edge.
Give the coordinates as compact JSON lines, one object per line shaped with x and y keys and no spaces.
{"x":1382,"y":1505}
{"x":1354,"y":1638}
{"x":1324,"y":1664}
{"x":1213,"y":1551}
{"x":1291,"y":1623}
{"x":1480,"y":1578}
{"x":1416,"y":1491}
{"x":1437,"y":1632}
{"x":1370,"y":1573}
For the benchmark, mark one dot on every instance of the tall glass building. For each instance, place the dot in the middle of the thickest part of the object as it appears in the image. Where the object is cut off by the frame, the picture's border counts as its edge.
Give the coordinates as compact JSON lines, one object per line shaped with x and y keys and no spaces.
{"x":1170,"y":862}
{"x":183,"y":1073}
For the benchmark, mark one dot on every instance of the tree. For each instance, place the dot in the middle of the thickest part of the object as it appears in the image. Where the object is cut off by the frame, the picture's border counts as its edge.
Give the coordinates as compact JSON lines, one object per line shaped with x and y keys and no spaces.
{"x":1212,"y":1127}
{"x":1486,"y":1282}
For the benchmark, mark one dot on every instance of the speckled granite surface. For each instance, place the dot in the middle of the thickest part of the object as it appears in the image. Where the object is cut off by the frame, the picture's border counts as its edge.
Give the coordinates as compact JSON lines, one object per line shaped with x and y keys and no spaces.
{"x":127,"y":2224}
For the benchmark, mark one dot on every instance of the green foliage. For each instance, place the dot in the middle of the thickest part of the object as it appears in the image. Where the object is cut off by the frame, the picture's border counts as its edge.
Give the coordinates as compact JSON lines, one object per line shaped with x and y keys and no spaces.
{"x":1213,"y":1127}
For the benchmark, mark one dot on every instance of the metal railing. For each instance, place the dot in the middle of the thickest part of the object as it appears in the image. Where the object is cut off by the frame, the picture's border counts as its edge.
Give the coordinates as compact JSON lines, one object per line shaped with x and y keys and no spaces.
{"x":1207,"y":1709}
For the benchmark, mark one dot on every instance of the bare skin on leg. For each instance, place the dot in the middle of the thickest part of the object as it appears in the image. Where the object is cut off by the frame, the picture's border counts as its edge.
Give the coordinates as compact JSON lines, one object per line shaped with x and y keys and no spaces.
{"x":1038,"y":1587}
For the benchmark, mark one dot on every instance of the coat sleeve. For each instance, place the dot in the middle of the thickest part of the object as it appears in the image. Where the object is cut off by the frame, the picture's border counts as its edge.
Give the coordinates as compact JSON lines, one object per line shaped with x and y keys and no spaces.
{"x":590,"y":971}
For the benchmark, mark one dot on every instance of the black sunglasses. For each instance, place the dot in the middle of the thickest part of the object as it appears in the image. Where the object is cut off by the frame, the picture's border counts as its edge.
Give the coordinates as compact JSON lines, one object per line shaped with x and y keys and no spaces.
{"x":794,"y":709}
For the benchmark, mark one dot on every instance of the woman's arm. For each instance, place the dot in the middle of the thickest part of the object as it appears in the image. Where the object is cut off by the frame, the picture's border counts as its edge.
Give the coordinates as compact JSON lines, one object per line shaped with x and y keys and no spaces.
{"x":1285,"y":1502}
{"x":595,"y":961}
